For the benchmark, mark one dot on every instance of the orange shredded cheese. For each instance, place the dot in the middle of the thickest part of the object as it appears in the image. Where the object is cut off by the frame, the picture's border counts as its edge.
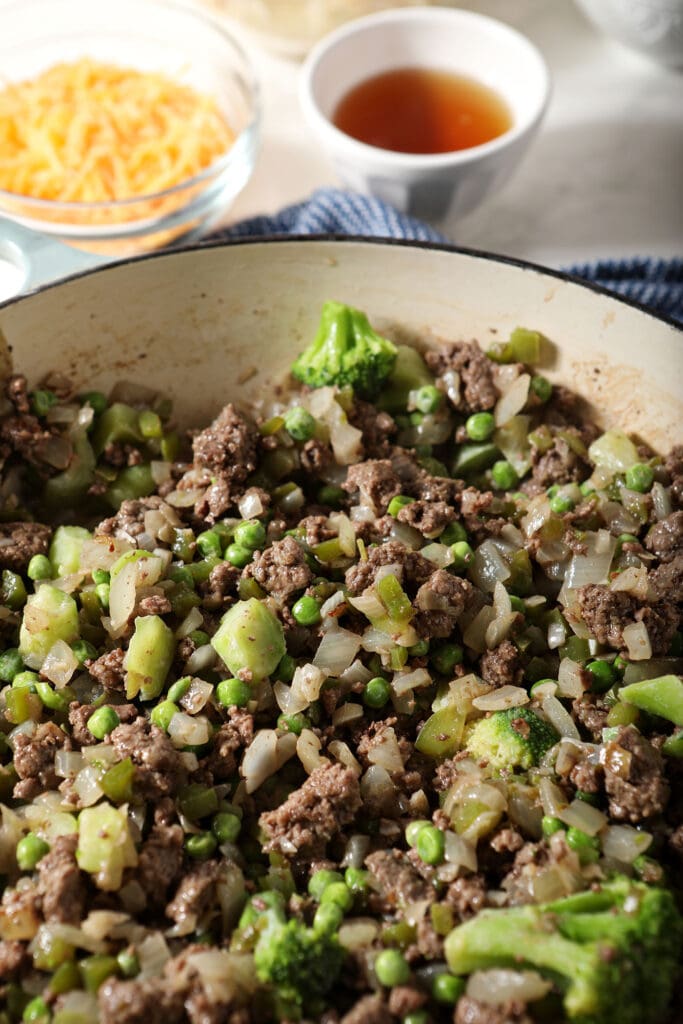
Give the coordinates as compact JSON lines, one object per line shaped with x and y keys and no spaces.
{"x":92,"y":132}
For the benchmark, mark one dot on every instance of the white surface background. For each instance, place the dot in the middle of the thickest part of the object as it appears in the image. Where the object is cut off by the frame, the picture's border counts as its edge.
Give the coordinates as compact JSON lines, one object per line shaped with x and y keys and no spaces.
{"x":604,"y":177}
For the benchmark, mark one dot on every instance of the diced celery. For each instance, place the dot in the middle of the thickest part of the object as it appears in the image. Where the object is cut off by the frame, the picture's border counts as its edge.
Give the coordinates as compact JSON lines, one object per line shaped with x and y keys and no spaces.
{"x":662,"y":696}
{"x":441,"y":735}
{"x":12,"y":590}
{"x":105,"y":847}
{"x":66,"y":488}
{"x":614,"y":451}
{"x":512,"y":440}
{"x":473,"y":458}
{"x":409,"y":373}
{"x":128,"y":556}
{"x":117,"y":781}
{"x":397,"y":603}
{"x":250,"y":637}
{"x":65,"y":549}
{"x":49,"y":615}
{"x":148,"y":658}
{"x":117,"y":423}
{"x":132,"y":482}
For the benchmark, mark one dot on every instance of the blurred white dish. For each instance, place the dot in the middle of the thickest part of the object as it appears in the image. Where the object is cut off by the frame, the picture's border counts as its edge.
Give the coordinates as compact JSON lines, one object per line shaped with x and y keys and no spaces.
{"x":653,"y":27}
{"x":458,"y":41}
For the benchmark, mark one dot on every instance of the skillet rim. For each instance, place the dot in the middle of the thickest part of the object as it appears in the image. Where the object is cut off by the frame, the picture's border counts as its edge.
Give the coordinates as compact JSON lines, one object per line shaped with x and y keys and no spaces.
{"x":406,"y":243}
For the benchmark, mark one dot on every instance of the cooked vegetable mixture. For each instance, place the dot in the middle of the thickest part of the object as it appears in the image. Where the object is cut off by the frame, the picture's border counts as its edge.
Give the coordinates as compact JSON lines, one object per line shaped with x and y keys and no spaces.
{"x":362,"y":707}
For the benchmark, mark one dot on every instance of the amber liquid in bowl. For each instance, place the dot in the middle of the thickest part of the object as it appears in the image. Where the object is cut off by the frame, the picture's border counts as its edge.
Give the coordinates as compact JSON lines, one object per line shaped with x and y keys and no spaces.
{"x":421,"y":110}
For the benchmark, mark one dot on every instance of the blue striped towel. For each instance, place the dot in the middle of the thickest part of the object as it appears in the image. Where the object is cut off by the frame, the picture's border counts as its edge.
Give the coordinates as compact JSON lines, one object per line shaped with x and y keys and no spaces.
{"x":657,"y":284}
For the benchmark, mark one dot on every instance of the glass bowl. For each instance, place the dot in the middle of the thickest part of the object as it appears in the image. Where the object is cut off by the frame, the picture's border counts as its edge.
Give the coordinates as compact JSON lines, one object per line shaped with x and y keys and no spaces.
{"x":151,"y":36}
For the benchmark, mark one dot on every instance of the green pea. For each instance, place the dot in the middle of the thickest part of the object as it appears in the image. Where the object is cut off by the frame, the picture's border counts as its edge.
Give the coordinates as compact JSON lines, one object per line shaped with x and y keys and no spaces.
{"x":602,"y":675}
{"x":480,"y":426}
{"x":42,"y":401}
{"x":626,"y":538}
{"x":285,"y":669}
{"x":587,"y":488}
{"x":541,"y":387}
{"x":463,"y":555}
{"x":320,"y":880}
{"x":504,"y":475}
{"x":391,"y":968}
{"x":84,"y":651}
{"x":293,"y":723}
{"x":233,"y":693}
{"x":331,"y":495}
{"x":251,"y":534}
{"x":430,"y":844}
{"x":306,"y":611}
{"x":39,"y":568}
{"x":640,"y":477}
{"x":445,"y":657}
{"x":162,"y":714}
{"x":428,"y":398}
{"x":560,"y":504}
{"x":551,"y":825}
{"x":397,"y":503}
{"x":209,"y":544}
{"x":129,"y":965}
{"x":339,"y":893}
{"x":36,"y":1011}
{"x":447,"y":989}
{"x":453,"y":534}
{"x":327,"y":918}
{"x":419,"y":650}
{"x":299,"y":423}
{"x":96,"y":400}
{"x":11,"y":664}
{"x":376,"y":693}
{"x":201,"y":845}
{"x":177,"y":690}
{"x":102,"y":722}
{"x":413,"y":830}
{"x":356,"y":879}
{"x":226,"y":827}
{"x":30,"y":850}
{"x":238,"y":556}
{"x":587,"y":847}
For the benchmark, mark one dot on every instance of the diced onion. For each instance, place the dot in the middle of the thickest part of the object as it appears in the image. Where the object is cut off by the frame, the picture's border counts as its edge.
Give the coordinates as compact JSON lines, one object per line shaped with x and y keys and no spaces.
{"x":192,"y":621}
{"x":102,"y":552}
{"x":557,"y":635}
{"x":594,"y":566}
{"x":186,"y":731}
{"x":336,"y":652}
{"x":260,"y":759}
{"x":250,"y":505}
{"x":357,"y":932}
{"x":559,"y":717}
{"x":552,"y":797}
{"x":343,"y":753}
{"x":68,"y":763}
{"x":440,"y":554}
{"x":348,"y":712}
{"x":288,"y":702}
{"x":489,"y":567}
{"x":475,"y":633}
{"x":308,"y":751}
{"x":122,"y":596}
{"x":330,"y":605}
{"x":403,"y":682}
{"x":376,"y":641}
{"x":661,"y":500}
{"x":624,"y":843}
{"x":60,"y":664}
{"x":306,"y":684}
{"x":581,"y":815}
{"x":513,"y":401}
{"x":160,"y":470}
{"x":502,"y":698}
{"x":286,"y":748}
{"x":153,"y":953}
{"x":501,"y":985}
{"x":570,"y":679}
{"x":201,"y":660}
{"x":345,"y":532}
{"x":385,"y":751}
{"x":376,"y":785}
{"x":499,"y":629}
{"x":637,"y":641}
{"x":196,"y":697}
{"x":459,"y":851}
{"x":185,"y":498}
{"x":633,"y":580}
{"x":87,"y":785}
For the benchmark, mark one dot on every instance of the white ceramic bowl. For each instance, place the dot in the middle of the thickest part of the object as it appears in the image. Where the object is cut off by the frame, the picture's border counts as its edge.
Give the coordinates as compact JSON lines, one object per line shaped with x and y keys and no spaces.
{"x":652,"y":27}
{"x":462,"y":42}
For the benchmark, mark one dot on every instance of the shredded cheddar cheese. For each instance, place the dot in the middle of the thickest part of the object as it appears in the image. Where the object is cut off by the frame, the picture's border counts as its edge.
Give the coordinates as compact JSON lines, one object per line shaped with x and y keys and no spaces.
{"x":91,"y":132}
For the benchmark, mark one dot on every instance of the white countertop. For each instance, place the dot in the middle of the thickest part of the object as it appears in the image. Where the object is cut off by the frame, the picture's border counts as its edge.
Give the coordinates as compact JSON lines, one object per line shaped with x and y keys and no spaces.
{"x":602,"y":179}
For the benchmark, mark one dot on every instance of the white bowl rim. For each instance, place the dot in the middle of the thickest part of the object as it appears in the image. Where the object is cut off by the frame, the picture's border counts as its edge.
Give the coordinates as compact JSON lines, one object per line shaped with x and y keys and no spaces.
{"x":419,"y":161}
{"x":219,"y":166}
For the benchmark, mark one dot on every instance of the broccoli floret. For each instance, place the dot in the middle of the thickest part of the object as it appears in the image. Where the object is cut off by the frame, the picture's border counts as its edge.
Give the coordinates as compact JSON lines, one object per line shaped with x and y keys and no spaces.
{"x":347,"y":352}
{"x":301,"y":964}
{"x":515,"y":738}
{"x":614,"y":952}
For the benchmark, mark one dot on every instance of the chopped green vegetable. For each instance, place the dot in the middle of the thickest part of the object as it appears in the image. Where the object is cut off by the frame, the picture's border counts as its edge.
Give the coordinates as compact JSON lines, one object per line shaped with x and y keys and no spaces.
{"x":250,"y":638}
{"x":662,"y":696}
{"x":514,"y":738}
{"x":148,"y":658}
{"x":50,"y":615}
